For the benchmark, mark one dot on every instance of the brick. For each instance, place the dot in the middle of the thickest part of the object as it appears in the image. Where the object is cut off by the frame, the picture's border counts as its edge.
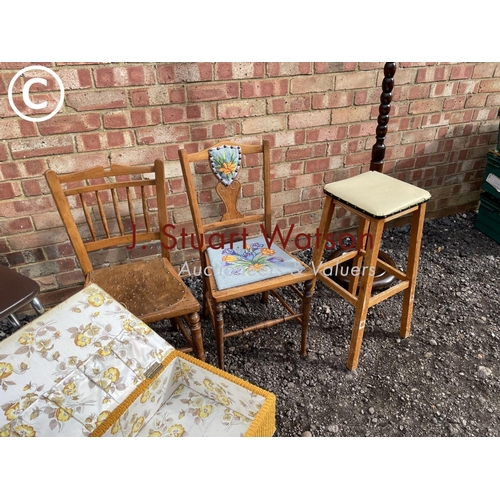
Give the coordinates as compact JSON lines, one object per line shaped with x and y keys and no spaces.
{"x":304,"y":180}
{"x":9,"y":190}
{"x":240,"y":109}
{"x":333,"y":67}
{"x":333,"y":100}
{"x":105,"y":140}
{"x":351,"y":115}
{"x":45,"y":146}
{"x":288,"y":68}
{"x":139,"y":156}
{"x":239,"y":71}
{"x":162,"y":134}
{"x":419,"y":91}
{"x":426,"y":106}
{"x":475,"y":101}
{"x":327,"y":134}
{"x":52,"y":100}
{"x":308,"y":84}
{"x":35,"y":187}
{"x":264,"y":88}
{"x":124,"y":76}
{"x":6,"y":78}
{"x":435,"y":74}
{"x":468,"y":87}
{"x":310,"y":119}
{"x":462,"y":72}
{"x":15,"y":128}
{"x":492,"y":85}
{"x":159,"y":95}
{"x":288,"y":104}
{"x":17,"y":225}
{"x":454,"y":103}
{"x":70,"y":123}
{"x":75,"y":78}
{"x":73,"y":163}
{"x":194,"y":112}
{"x":4,"y":154}
{"x":133,"y":118}
{"x":443,"y":89}
{"x":213,"y":92}
{"x":263,"y":124}
{"x":184,"y":72}
{"x":355,"y":80}
{"x":96,"y":99}
{"x":484,"y":70}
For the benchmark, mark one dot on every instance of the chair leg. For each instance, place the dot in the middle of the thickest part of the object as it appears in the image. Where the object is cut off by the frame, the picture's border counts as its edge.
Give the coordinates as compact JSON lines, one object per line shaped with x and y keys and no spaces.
{"x":205,"y":312}
{"x":174,"y":324}
{"x":417,"y":226}
{"x":219,"y":332}
{"x":37,"y":306}
{"x":376,"y":228}
{"x":265,"y":297}
{"x":14,"y":321}
{"x":195,"y":327}
{"x":306,"y":311}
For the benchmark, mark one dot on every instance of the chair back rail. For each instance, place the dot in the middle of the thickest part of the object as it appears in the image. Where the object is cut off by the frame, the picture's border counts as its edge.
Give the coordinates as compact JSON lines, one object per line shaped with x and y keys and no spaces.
{"x":229,"y":195}
{"x":104,"y":203}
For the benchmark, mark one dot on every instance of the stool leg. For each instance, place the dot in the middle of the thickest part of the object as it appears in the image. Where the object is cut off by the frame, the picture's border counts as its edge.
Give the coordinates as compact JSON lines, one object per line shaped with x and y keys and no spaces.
{"x":324,"y":226}
{"x":417,"y":226}
{"x":365,"y":290}
{"x":364,"y":225}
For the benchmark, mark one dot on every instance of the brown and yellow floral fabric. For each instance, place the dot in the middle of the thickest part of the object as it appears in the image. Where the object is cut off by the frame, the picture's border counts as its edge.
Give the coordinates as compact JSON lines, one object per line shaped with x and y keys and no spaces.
{"x":81,"y":367}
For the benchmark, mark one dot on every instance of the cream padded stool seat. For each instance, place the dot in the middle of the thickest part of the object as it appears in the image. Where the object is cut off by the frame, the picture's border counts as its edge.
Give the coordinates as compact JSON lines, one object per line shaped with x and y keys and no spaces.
{"x":376,"y":194}
{"x":376,"y":198}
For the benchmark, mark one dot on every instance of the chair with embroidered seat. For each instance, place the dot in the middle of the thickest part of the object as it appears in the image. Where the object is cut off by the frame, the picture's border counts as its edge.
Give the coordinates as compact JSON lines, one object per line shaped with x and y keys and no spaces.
{"x":111,"y":206}
{"x":237,"y":269}
{"x":376,"y":198}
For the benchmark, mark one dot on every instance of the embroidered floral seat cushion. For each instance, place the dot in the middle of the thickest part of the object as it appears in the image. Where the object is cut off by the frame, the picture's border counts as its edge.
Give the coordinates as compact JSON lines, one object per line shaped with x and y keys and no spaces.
{"x":256,"y":261}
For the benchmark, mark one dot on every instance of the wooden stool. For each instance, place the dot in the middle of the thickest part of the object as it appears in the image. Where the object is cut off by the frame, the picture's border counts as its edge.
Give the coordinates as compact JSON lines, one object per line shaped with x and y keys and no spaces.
{"x":376,"y":198}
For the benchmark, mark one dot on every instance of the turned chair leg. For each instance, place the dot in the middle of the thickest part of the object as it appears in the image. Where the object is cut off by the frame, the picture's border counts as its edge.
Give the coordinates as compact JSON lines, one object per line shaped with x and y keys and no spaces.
{"x":417,"y":227}
{"x":195,"y":328}
{"x":306,"y":311}
{"x":376,"y":228}
{"x":219,"y":332}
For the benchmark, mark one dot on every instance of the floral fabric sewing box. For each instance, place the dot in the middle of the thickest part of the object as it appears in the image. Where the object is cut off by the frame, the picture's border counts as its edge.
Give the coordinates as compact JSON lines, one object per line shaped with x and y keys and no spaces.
{"x":89,"y":367}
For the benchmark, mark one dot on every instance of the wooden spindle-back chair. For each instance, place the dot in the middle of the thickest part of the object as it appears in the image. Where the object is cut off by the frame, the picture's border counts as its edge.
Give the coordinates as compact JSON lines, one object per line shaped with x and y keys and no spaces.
{"x":110,"y":207}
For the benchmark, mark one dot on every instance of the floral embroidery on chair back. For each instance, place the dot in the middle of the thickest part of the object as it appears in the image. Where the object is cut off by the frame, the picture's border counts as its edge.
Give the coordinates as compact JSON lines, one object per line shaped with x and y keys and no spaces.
{"x":225,"y":162}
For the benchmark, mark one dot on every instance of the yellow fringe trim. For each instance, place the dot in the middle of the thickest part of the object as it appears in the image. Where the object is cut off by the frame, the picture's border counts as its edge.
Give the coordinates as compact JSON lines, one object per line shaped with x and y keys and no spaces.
{"x":263,"y":425}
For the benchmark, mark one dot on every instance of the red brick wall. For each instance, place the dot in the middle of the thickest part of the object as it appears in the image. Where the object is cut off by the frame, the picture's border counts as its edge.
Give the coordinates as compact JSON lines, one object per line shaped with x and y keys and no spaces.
{"x":319,"y":117}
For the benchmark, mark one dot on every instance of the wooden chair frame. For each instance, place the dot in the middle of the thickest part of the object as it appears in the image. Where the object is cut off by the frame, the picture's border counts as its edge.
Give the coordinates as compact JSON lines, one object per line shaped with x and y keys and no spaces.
{"x":127,"y":179}
{"x":213,"y":299}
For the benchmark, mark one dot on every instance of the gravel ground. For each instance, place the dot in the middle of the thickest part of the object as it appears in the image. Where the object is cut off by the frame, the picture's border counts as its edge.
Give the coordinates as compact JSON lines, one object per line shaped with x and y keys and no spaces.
{"x":444,"y":380}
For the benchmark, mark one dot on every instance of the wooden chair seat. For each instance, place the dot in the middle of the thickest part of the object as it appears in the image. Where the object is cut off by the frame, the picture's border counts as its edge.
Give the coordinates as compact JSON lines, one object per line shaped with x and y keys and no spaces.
{"x":150,"y":289}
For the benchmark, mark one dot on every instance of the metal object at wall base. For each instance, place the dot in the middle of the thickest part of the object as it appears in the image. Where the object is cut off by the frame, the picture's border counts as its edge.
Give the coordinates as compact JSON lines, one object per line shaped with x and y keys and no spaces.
{"x":342,"y":273}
